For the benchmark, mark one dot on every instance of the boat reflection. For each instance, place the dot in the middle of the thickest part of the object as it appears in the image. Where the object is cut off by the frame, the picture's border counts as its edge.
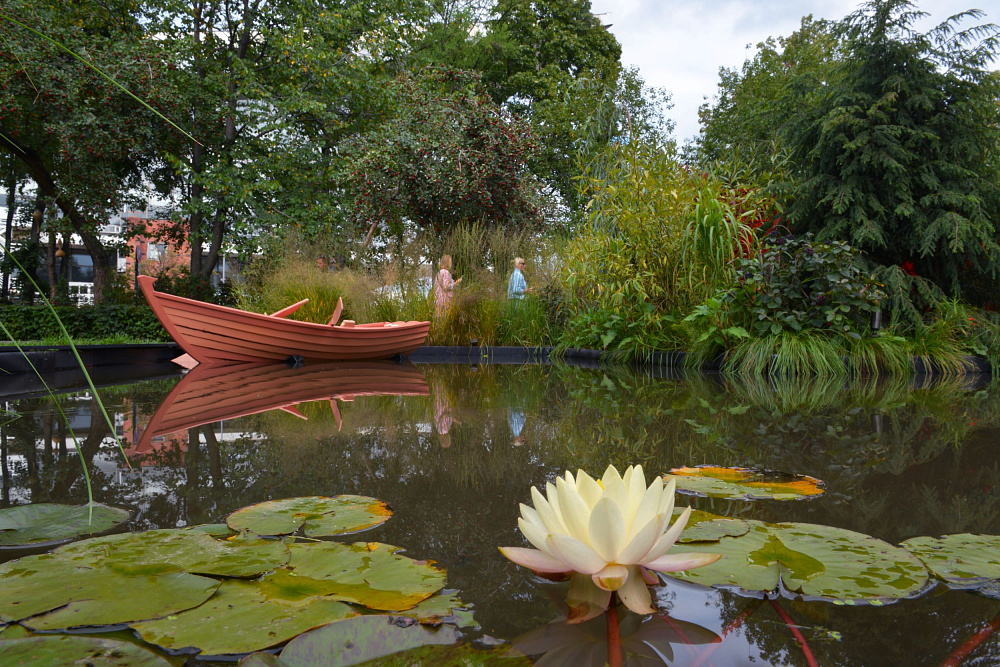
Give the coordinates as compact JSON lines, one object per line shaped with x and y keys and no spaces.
{"x":209,"y":394}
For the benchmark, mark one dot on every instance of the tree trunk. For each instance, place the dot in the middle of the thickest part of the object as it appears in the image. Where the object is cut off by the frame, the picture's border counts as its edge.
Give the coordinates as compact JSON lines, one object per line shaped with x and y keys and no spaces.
{"x":80,"y":225}
{"x":50,"y":264}
{"x":102,"y":264}
{"x":11,"y":194}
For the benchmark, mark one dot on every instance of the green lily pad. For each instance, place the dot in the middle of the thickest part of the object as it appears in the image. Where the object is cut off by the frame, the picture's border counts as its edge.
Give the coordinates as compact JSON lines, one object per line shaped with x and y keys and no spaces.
{"x":242,"y":617}
{"x":444,"y":607}
{"x":14,"y":631}
{"x":744,"y":483}
{"x":213,"y":529}
{"x":708,"y":527}
{"x":86,"y":595}
{"x":458,"y":655}
{"x":963,"y":560}
{"x":318,"y":515}
{"x":68,"y":650}
{"x":44,"y":524}
{"x":370,"y":574}
{"x":360,"y":639}
{"x":189,"y":551}
{"x":816,"y":561}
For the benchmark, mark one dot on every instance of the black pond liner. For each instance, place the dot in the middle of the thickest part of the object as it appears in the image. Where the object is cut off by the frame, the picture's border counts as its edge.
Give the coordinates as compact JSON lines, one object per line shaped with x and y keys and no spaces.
{"x":113,"y":364}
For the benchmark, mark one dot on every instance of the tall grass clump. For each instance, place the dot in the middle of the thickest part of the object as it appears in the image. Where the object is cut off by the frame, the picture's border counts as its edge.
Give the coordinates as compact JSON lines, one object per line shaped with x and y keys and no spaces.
{"x":658,"y":240}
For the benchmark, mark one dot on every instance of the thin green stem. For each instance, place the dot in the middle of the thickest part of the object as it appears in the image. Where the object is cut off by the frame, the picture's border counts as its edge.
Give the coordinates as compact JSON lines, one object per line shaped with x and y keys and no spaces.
{"x":76,"y":353}
{"x":55,"y":401}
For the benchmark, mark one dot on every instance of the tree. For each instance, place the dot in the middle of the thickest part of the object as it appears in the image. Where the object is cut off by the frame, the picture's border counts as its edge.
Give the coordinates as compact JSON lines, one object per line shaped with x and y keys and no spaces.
{"x":548,"y":62}
{"x":755,"y":103}
{"x":447,"y":155}
{"x":270,"y":96}
{"x":899,"y":155}
{"x":85,"y":143}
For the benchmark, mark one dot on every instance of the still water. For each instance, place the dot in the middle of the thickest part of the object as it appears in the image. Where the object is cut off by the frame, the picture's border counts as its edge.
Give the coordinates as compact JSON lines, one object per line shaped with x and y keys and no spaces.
{"x":453,"y":450}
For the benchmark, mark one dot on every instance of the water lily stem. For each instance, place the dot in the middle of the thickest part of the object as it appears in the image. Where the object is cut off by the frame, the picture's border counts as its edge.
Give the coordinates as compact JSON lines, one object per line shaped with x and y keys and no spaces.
{"x":799,"y":637}
{"x":614,"y":633}
{"x":963,"y":651}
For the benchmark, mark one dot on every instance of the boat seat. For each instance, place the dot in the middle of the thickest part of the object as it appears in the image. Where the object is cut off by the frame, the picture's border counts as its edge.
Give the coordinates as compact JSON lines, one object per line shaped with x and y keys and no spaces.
{"x":288,"y":310}
{"x":336,"y":312}
{"x":347,"y":324}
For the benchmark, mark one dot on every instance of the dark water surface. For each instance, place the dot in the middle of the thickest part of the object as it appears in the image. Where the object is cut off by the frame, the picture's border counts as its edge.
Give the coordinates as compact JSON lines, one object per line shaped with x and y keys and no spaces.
{"x":455,"y":458}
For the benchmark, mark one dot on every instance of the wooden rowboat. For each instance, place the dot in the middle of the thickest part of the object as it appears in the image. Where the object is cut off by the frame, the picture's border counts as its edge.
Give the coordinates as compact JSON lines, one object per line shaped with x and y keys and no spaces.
{"x":209,"y":394}
{"x":215,"y":335}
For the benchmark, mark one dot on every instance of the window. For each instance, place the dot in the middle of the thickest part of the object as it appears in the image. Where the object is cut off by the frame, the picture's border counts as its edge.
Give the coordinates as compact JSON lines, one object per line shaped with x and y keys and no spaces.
{"x":156,"y":251}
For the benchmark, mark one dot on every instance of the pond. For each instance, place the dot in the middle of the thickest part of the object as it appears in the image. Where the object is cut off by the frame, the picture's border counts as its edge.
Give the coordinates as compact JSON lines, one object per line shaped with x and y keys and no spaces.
{"x":454,"y":449}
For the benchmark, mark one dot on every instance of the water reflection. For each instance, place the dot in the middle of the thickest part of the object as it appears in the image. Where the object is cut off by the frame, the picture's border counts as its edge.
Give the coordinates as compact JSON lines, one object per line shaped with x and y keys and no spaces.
{"x":456,"y":456}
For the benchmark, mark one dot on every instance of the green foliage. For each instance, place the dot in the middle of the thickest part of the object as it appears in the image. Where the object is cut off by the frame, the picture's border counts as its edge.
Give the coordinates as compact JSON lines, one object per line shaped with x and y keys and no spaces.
{"x":899,"y":155}
{"x":659,"y":239}
{"x":893,"y":136}
{"x":446,"y":155}
{"x":793,"y":284}
{"x":132,"y":322}
{"x":745,"y":122}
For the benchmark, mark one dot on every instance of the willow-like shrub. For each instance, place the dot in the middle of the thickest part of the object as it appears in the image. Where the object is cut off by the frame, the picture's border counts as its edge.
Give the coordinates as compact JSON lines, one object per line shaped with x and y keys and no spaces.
{"x":659,"y":239}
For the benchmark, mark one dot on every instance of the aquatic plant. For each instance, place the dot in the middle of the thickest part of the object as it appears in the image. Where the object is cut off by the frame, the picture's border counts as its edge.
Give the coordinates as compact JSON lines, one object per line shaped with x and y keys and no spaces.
{"x":606,"y":535}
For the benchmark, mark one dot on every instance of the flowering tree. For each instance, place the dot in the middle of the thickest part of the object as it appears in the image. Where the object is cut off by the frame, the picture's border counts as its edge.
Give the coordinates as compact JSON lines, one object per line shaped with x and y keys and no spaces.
{"x":446,"y":154}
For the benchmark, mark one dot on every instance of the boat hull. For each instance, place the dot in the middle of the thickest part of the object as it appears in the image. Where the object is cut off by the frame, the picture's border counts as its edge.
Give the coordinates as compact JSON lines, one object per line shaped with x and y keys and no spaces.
{"x":216,"y":335}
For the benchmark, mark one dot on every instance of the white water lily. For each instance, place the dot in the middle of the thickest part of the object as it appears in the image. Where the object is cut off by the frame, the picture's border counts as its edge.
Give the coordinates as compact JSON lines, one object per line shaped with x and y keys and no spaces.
{"x":613,"y":530}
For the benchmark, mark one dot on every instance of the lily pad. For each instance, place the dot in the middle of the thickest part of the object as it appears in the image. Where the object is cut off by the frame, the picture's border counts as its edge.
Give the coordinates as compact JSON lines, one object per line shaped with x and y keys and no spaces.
{"x":370,"y":574}
{"x":319,"y":516}
{"x":819,"y":562}
{"x":458,"y":655}
{"x":68,"y":650}
{"x":189,"y":551}
{"x":708,"y":527}
{"x":44,"y":524}
{"x":213,"y":529}
{"x":242,"y":617}
{"x":444,"y":607}
{"x":360,"y":639}
{"x":744,"y":483}
{"x":85,"y":595}
{"x":963,"y":560}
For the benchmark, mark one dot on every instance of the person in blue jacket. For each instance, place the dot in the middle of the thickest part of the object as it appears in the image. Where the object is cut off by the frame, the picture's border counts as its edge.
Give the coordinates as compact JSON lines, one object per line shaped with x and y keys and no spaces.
{"x":517,"y":287}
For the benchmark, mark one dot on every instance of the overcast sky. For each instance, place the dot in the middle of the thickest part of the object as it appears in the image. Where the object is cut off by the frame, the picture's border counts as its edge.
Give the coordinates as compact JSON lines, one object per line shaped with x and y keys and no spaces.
{"x":681,"y":44}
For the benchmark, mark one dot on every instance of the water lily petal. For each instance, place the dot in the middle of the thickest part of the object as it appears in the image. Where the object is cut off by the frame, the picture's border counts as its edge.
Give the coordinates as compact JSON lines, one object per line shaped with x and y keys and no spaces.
{"x":535,"y":534}
{"x":577,"y":555}
{"x":575,"y":511}
{"x":611,"y":578}
{"x":634,"y":594}
{"x":668,"y":538}
{"x":614,"y":488}
{"x":534,"y":560}
{"x":549,"y":517}
{"x":588,"y":489}
{"x":667,"y":500}
{"x":643,"y":541}
{"x":650,"y":578}
{"x":607,"y":530}
{"x":682,"y":561}
{"x":585,"y":599}
{"x":635,"y":482}
{"x":649,"y":506}
{"x":552,"y":496}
